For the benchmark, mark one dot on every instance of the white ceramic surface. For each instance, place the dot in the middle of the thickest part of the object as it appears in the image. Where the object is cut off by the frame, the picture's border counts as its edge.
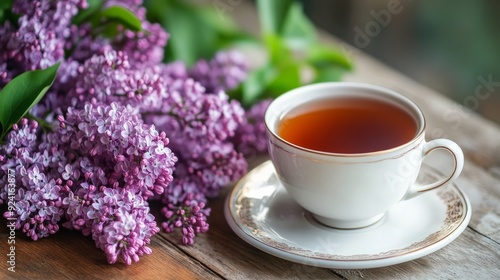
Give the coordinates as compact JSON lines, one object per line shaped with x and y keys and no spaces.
{"x":352,"y":190}
{"x":260,"y":211}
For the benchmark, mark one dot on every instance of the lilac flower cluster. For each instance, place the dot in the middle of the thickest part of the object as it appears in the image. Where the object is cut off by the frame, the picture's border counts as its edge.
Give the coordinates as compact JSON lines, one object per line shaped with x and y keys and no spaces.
{"x":200,"y":127}
{"x":39,"y":199}
{"x":251,"y":138}
{"x":118,"y":220}
{"x":121,"y":163}
{"x":190,"y":216}
{"x":134,"y":156}
{"x":39,"y":40}
{"x":108,"y":76}
{"x":205,"y":143}
{"x":120,"y":129}
{"x":145,"y":46}
{"x":222,"y":73}
{"x":96,"y":170}
{"x":101,"y":77}
{"x":141,"y":47}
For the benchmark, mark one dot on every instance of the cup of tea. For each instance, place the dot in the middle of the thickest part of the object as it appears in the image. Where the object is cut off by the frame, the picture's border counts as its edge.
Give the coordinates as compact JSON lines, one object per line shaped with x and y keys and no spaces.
{"x":348,"y":152}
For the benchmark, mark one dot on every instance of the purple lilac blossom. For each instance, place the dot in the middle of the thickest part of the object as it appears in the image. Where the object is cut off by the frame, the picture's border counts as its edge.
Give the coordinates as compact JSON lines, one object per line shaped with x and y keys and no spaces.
{"x":251,"y":138}
{"x":200,"y":127}
{"x":122,"y":162}
{"x":101,"y":77}
{"x":190,"y":216}
{"x":108,"y":77}
{"x":224,"y":72}
{"x":118,"y":220}
{"x":114,"y":136}
{"x":81,"y":44}
{"x":39,"y":40}
{"x":143,"y":47}
{"x":120,"y":128}
{"x":38,"y":194}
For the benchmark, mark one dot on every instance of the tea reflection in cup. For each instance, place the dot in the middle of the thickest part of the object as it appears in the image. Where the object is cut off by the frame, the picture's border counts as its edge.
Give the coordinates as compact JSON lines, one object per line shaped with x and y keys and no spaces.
{"x":352,"y":183}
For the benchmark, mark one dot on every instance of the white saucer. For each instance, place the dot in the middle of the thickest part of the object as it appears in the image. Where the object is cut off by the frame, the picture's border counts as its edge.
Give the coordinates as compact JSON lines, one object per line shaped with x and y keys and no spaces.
{"x":260,"y":212}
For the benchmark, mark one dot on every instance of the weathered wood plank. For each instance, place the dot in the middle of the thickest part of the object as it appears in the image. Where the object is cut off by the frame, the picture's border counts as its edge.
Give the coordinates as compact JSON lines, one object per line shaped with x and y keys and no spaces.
{"x":470,"y":256}
{"x":69,"y":255}
{"x":483,"y":191}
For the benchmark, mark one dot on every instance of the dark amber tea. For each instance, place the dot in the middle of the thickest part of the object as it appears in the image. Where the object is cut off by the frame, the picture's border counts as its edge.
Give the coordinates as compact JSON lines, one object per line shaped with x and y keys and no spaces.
{"x":348,"y":125}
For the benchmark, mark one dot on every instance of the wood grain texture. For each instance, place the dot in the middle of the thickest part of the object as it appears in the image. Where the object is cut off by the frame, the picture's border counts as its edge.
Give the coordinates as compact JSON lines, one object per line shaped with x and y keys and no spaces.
{"x":468,"y":257}
{"x":70,"y":255}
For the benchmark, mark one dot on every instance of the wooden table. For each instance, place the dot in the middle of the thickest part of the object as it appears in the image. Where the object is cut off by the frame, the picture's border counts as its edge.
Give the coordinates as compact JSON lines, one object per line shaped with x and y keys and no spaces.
{"x":221,"y":254}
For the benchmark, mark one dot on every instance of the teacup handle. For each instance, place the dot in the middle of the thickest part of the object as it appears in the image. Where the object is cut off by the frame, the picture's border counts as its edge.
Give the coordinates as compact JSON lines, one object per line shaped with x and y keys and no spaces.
{"x":458,"y":158}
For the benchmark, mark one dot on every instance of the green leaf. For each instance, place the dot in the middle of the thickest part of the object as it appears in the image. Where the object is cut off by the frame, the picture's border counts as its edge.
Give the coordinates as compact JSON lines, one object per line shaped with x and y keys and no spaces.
{"x":6,"y":12}
{"x":3,"y":15}
{"x":255,"y":84}
{"x":220,"y":21}
{"x":88,"y":14}
{"x":277,"y":49}
{"x":194,"y":34}
{"x":5,"y":4}
{"x":22,"y":93}
{"x":155,"y":9}
{"x":192,"y":37}
{"x":5,"y":7}
{"x":329,"y":73}
{"x":197,"y":31}
{"x":225,"y":29}
{"x":272,"y":14}
{"x":123,"y":16}
{"x":318,"y":54}
{"x":228,"y":39}
{"x":297,"y":30}
{"x":270,"y":81}
{"x":287,"y":78}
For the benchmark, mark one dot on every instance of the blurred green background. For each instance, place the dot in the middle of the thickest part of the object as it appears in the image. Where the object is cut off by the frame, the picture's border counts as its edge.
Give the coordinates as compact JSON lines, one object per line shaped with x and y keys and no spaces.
{"x":448,"y":45}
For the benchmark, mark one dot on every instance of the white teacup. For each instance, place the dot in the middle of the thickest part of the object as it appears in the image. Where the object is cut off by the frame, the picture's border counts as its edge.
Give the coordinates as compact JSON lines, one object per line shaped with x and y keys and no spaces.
{"x":352,"y":190}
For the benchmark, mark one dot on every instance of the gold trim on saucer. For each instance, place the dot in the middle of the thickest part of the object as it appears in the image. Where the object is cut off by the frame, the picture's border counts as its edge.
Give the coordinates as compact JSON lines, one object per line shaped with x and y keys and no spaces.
{"x":241,"y":203}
